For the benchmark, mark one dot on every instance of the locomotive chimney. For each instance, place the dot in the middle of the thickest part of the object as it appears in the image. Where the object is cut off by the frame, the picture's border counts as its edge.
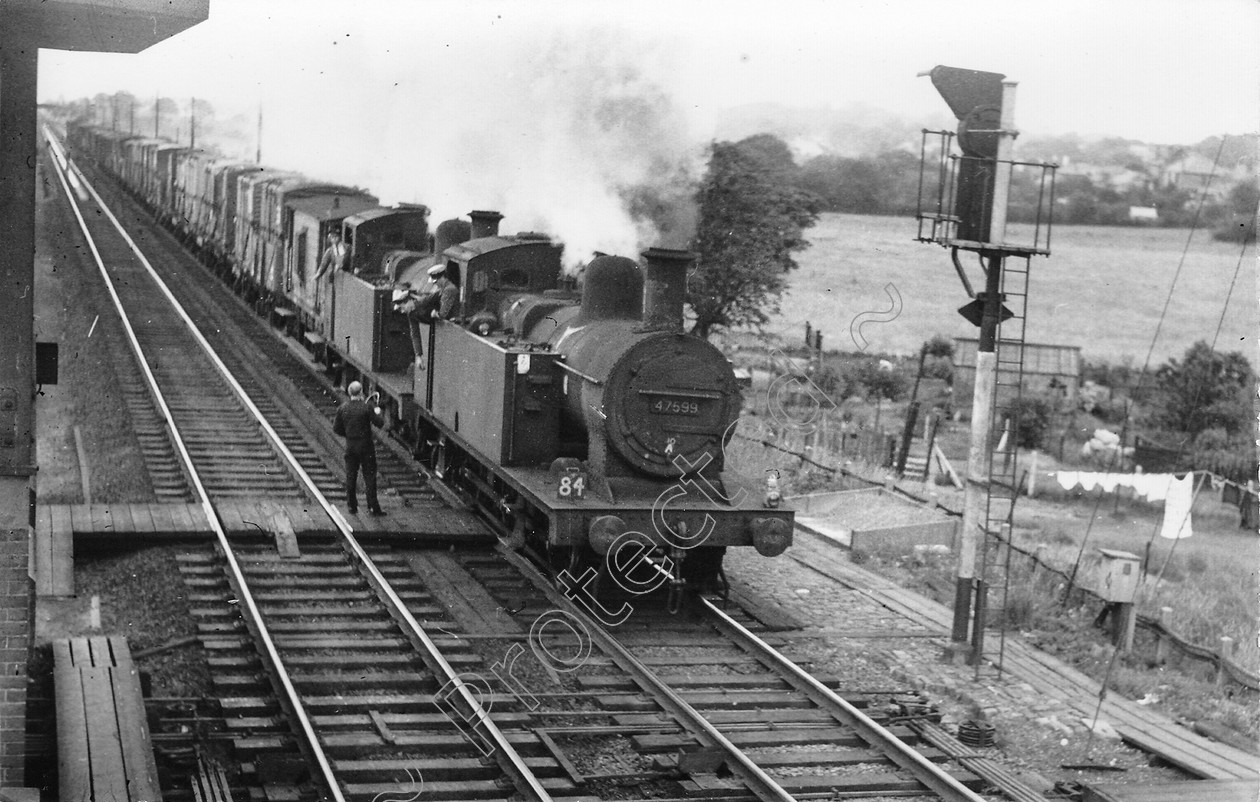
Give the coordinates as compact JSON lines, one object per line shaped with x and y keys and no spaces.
{"x":664,"y":288}
{"x":485,"y":224}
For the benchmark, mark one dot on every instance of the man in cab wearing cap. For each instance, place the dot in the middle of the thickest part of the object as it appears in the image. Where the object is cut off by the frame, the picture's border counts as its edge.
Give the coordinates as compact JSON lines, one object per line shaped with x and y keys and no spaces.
{"x":418,"y":307}
{"x":447,"y":292}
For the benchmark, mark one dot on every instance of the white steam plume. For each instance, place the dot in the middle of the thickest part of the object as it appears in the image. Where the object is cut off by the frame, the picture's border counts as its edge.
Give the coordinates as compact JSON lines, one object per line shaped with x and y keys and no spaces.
{"x":567,"y":135}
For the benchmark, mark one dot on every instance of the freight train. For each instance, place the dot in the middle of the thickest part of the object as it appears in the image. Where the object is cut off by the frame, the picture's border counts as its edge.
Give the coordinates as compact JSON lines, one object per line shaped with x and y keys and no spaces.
{"x":579,"y":420}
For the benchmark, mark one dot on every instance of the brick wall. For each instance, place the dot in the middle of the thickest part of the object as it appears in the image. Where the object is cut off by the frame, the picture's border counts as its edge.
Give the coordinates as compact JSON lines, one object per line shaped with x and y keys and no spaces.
{"x":16,"y":608}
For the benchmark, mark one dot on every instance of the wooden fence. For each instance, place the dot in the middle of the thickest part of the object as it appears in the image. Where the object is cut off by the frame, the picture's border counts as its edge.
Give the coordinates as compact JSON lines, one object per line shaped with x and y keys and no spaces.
{"x":1165,"y":638}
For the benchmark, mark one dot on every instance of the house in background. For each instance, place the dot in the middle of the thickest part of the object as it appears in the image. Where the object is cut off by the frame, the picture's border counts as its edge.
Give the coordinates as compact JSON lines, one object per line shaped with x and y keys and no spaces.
{"x":1049,"y":370}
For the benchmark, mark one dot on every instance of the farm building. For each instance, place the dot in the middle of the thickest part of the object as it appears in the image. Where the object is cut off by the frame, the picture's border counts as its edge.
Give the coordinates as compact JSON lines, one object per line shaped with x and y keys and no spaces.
{"x":1049,"y":370}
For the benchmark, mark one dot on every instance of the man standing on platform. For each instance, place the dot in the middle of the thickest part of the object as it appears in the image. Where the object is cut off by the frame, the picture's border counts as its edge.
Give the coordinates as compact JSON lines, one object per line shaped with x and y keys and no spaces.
{"x":354,"y":422}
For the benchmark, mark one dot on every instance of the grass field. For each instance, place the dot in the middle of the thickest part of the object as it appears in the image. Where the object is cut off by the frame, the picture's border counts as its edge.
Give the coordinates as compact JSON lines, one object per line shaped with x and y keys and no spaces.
{"x":1101,"y":288}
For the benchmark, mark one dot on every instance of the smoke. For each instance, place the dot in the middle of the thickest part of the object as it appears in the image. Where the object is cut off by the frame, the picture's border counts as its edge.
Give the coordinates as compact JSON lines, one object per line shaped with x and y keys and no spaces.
{"x":558,"y":121}
{"x":574,"y":141}
{"x":568,"y":136}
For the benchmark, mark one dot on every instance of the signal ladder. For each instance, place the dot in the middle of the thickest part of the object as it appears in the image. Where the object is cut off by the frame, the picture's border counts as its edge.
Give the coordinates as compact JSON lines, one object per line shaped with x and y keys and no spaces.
{"x":1004,"y":479}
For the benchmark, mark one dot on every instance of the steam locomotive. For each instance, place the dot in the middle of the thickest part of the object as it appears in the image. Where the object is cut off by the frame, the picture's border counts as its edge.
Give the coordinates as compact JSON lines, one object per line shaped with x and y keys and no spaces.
{"x":579,"y":422}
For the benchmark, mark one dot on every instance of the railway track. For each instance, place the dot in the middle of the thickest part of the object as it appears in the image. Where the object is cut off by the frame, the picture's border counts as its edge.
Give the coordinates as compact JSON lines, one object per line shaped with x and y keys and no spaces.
{"x":230,"y":447}
{"x":378,"y":671}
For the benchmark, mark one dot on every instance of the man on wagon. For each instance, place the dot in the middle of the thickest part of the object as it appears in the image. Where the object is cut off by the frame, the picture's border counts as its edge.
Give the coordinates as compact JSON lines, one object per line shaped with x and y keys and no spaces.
{"x":334,"y":257}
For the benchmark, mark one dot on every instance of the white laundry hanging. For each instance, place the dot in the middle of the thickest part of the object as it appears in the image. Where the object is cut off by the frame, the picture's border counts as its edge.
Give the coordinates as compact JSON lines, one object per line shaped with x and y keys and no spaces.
{"x":1157,"y":489}
{"x":1108,"y":481}
{"x":1067,"y":479}
{"x":1177,"y":509}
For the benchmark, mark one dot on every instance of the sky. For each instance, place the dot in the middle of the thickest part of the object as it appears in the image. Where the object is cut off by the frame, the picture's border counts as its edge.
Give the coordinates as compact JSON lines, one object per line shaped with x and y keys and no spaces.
{"x":548,"y":105}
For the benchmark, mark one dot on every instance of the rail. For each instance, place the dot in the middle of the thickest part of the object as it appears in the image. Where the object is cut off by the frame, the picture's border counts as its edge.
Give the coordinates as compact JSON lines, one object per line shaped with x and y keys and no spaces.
{"x":932,"y":776}
{"x":759,"y":783}
{"x":506,"y":754}
{"x":240,"y":586}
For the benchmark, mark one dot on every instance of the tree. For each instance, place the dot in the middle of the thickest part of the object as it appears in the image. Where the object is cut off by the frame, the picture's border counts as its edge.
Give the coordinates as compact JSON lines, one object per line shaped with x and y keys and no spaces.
{"x":1240,"y":213}
{"x":886,"y":384}
{"x":752,"y":220}
{"x":1032,"y":421}
{"x":1204,"y":390}
{"x":939,"y":346}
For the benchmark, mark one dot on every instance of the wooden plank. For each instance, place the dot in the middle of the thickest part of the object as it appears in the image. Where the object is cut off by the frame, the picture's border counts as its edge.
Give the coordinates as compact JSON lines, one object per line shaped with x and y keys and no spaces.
{"x":102,"y":654}
{"x":1191,"y":791}
{"x":73,"y":760}
{"x":231,"y":518}
{"x":109,"y":773}
{"x":1152,"y":732}
{"x":81,"y":652}
{"x":240,"y":515}
{"x":102,"y":521}
{"x":160,"y":518}
{"x":141,"y":518}
{"x":286,"y":538}
{"x":81,"y":518}
{"x":120,"y":652}
{"x":468,"y":602}
{"x":121,"y":519}
{"x":133,"y":726}
{"x":183,"y":520}
{"x":61,"y":539}
{"x":188,"y":518}
{"x":307,"y":518}
{"x":61,"y":523}
{"x":44,"y":556}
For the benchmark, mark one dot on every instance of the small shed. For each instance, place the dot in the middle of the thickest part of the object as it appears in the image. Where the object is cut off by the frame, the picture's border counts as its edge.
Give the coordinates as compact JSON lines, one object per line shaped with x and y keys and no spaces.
{"x":1048,"y":370}
{"x":1116,"y":576}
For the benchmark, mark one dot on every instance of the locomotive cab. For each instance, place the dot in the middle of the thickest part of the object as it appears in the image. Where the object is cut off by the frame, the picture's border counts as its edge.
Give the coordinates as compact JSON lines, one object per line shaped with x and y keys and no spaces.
{"x":371,"y":234}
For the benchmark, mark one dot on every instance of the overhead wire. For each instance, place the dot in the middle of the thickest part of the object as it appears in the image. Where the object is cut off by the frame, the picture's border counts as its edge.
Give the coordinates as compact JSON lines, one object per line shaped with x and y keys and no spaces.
{"x":1128,"y":412}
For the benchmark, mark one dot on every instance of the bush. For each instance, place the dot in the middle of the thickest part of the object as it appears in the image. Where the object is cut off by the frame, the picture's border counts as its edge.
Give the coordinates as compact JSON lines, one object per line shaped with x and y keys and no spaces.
{"x":1021,"y":608}
{"x":940,"y":347}
{"x":935,"y":367}
{"x":889,"y":385}
{"x":1032,"y":418}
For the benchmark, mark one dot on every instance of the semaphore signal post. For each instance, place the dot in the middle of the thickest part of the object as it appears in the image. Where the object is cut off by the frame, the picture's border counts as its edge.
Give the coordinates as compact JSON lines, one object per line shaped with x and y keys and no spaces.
{"x":963,"y":204}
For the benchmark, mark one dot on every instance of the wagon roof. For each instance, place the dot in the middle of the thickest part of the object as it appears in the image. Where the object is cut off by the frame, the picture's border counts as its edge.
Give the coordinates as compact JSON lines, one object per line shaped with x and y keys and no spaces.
{"x":331,"y":207}
{"x":268,"y":174}
{"x":480,"y":247}
{"x":385,"y":211}
{"x":239,"y":168}
{"x":303,"y":187}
